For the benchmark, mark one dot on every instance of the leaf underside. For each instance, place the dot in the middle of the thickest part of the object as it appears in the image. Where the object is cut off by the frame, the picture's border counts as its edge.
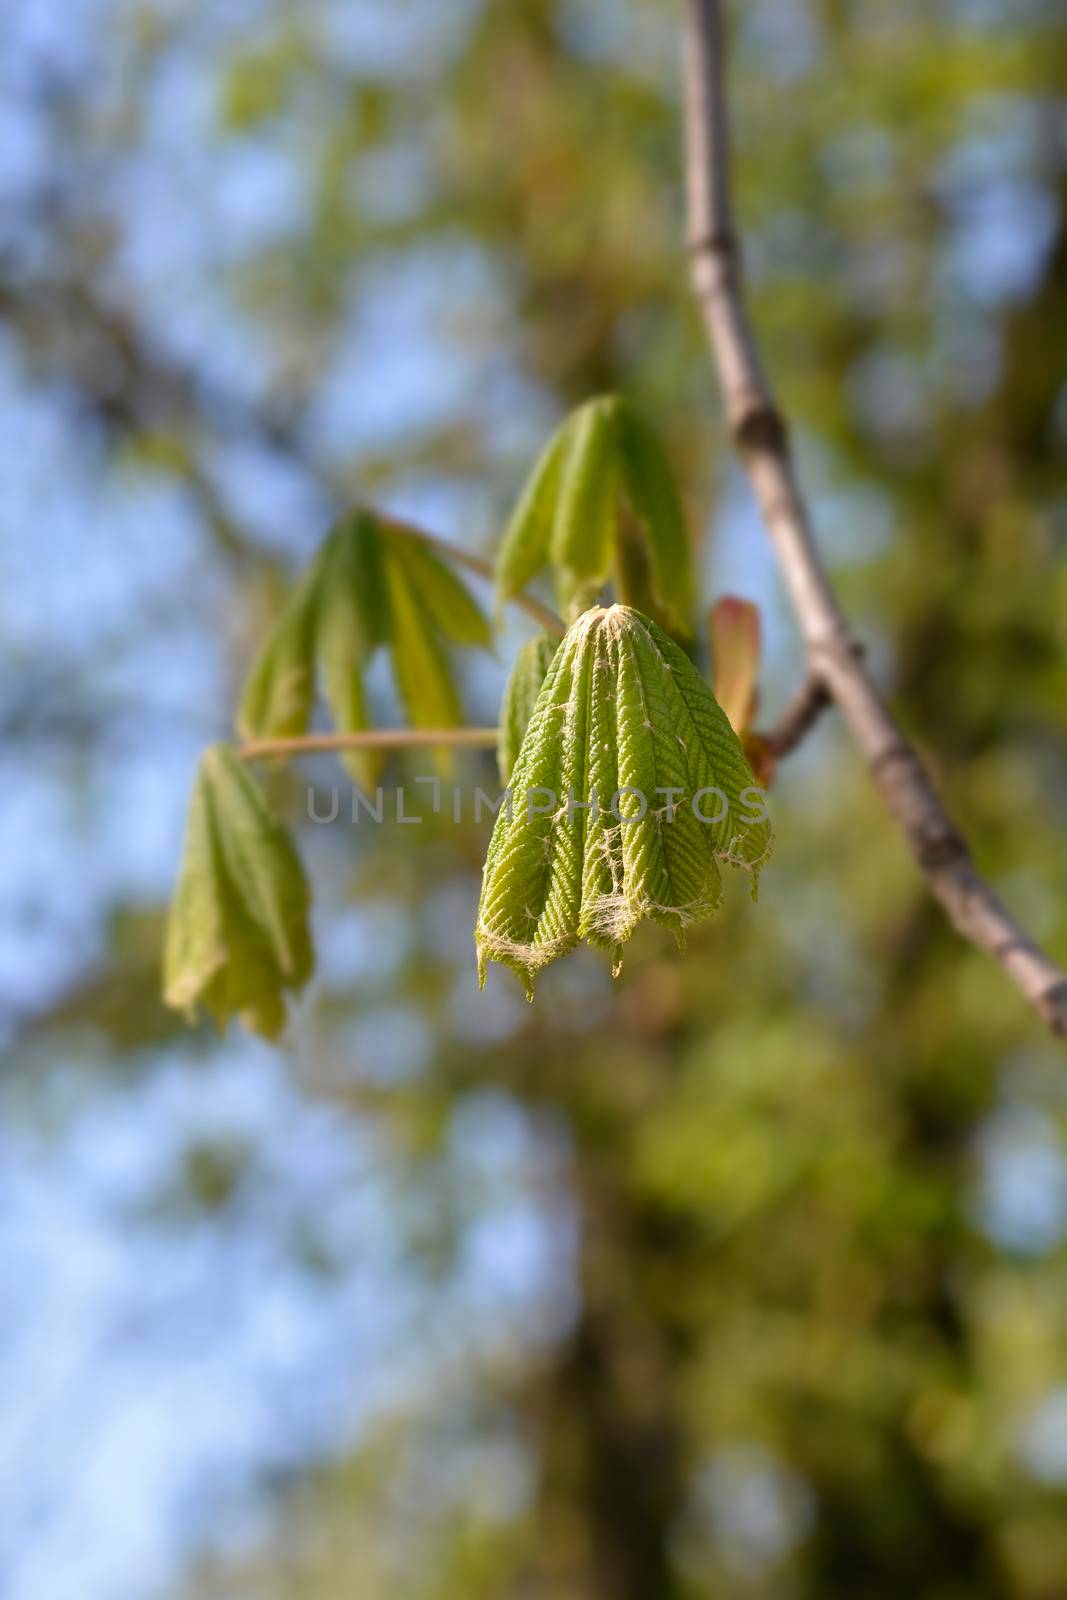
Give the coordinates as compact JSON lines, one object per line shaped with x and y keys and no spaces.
{"x":237,"y":935}
{"x":621,"y":708}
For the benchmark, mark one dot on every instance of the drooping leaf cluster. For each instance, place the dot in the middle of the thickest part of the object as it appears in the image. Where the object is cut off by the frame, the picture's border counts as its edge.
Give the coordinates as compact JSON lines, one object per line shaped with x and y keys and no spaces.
{"x":613,"y":723}
{"x":629,"y":791}
{"x":373,"y":584}
{"x":238,"y":938}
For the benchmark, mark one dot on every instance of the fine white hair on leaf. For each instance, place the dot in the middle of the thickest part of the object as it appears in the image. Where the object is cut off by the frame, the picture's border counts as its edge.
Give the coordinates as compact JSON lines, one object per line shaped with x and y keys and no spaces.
{"x":621,"y":713}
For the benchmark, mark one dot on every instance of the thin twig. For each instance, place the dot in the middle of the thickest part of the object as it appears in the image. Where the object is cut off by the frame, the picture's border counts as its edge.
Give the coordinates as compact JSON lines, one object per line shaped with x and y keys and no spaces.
{"x":798,"y":718}
{"x":759,"y":432}
{"x":801,"y":714}
{"x":372,"y":739}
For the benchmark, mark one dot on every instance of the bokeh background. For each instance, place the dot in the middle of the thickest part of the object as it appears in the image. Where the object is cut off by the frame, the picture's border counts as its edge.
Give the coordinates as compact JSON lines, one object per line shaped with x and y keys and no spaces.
{"x":746,"y":1276}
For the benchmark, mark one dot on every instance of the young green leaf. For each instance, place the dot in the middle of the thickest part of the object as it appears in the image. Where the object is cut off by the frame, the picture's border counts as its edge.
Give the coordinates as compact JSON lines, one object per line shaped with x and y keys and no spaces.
{"x":654,"y":499}
{"x":524,"y":919}
{"x":586,"y":519}
{"x":342,"y":662}
{"x":570,"y":512}
{"x":237,"y":937}
{"x":448,"y":603}
{"x":280,"y":689}
{"x":373,"y":583}
{"x":528,"y":536}
{"x":353,"y":619}
{"x":629,"y":791}
{"x":354,"y":576}
{"x":421,"y":666}
{"x":520,"y":697}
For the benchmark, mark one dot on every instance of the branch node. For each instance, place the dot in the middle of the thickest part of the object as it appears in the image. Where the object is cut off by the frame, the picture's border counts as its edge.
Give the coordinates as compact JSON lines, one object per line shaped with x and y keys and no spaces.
{"x":1052,"y":1006}
{"x":756,"y":424}
{"x":841,"y":651}
{"x":940,"y":847}
{"x":722,"y":243}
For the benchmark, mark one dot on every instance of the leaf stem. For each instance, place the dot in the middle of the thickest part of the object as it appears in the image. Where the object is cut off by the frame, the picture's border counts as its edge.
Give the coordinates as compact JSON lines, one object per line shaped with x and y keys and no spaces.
{"x":370,"y":739}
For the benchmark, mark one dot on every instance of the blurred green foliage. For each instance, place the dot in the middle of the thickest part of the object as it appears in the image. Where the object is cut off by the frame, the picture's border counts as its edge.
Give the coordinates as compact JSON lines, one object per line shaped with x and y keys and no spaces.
{"x":807,"y":1357}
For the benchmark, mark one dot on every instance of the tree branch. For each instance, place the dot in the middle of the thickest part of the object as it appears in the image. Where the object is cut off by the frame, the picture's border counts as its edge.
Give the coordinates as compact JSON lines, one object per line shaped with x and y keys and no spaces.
{"x":834,"y":661}
{"x":303,"y":744}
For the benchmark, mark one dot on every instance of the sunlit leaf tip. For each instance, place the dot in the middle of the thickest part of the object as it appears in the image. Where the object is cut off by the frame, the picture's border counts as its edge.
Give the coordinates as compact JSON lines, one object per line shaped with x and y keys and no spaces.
{"x":629,"y":791}
{"x":237,"y":937}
